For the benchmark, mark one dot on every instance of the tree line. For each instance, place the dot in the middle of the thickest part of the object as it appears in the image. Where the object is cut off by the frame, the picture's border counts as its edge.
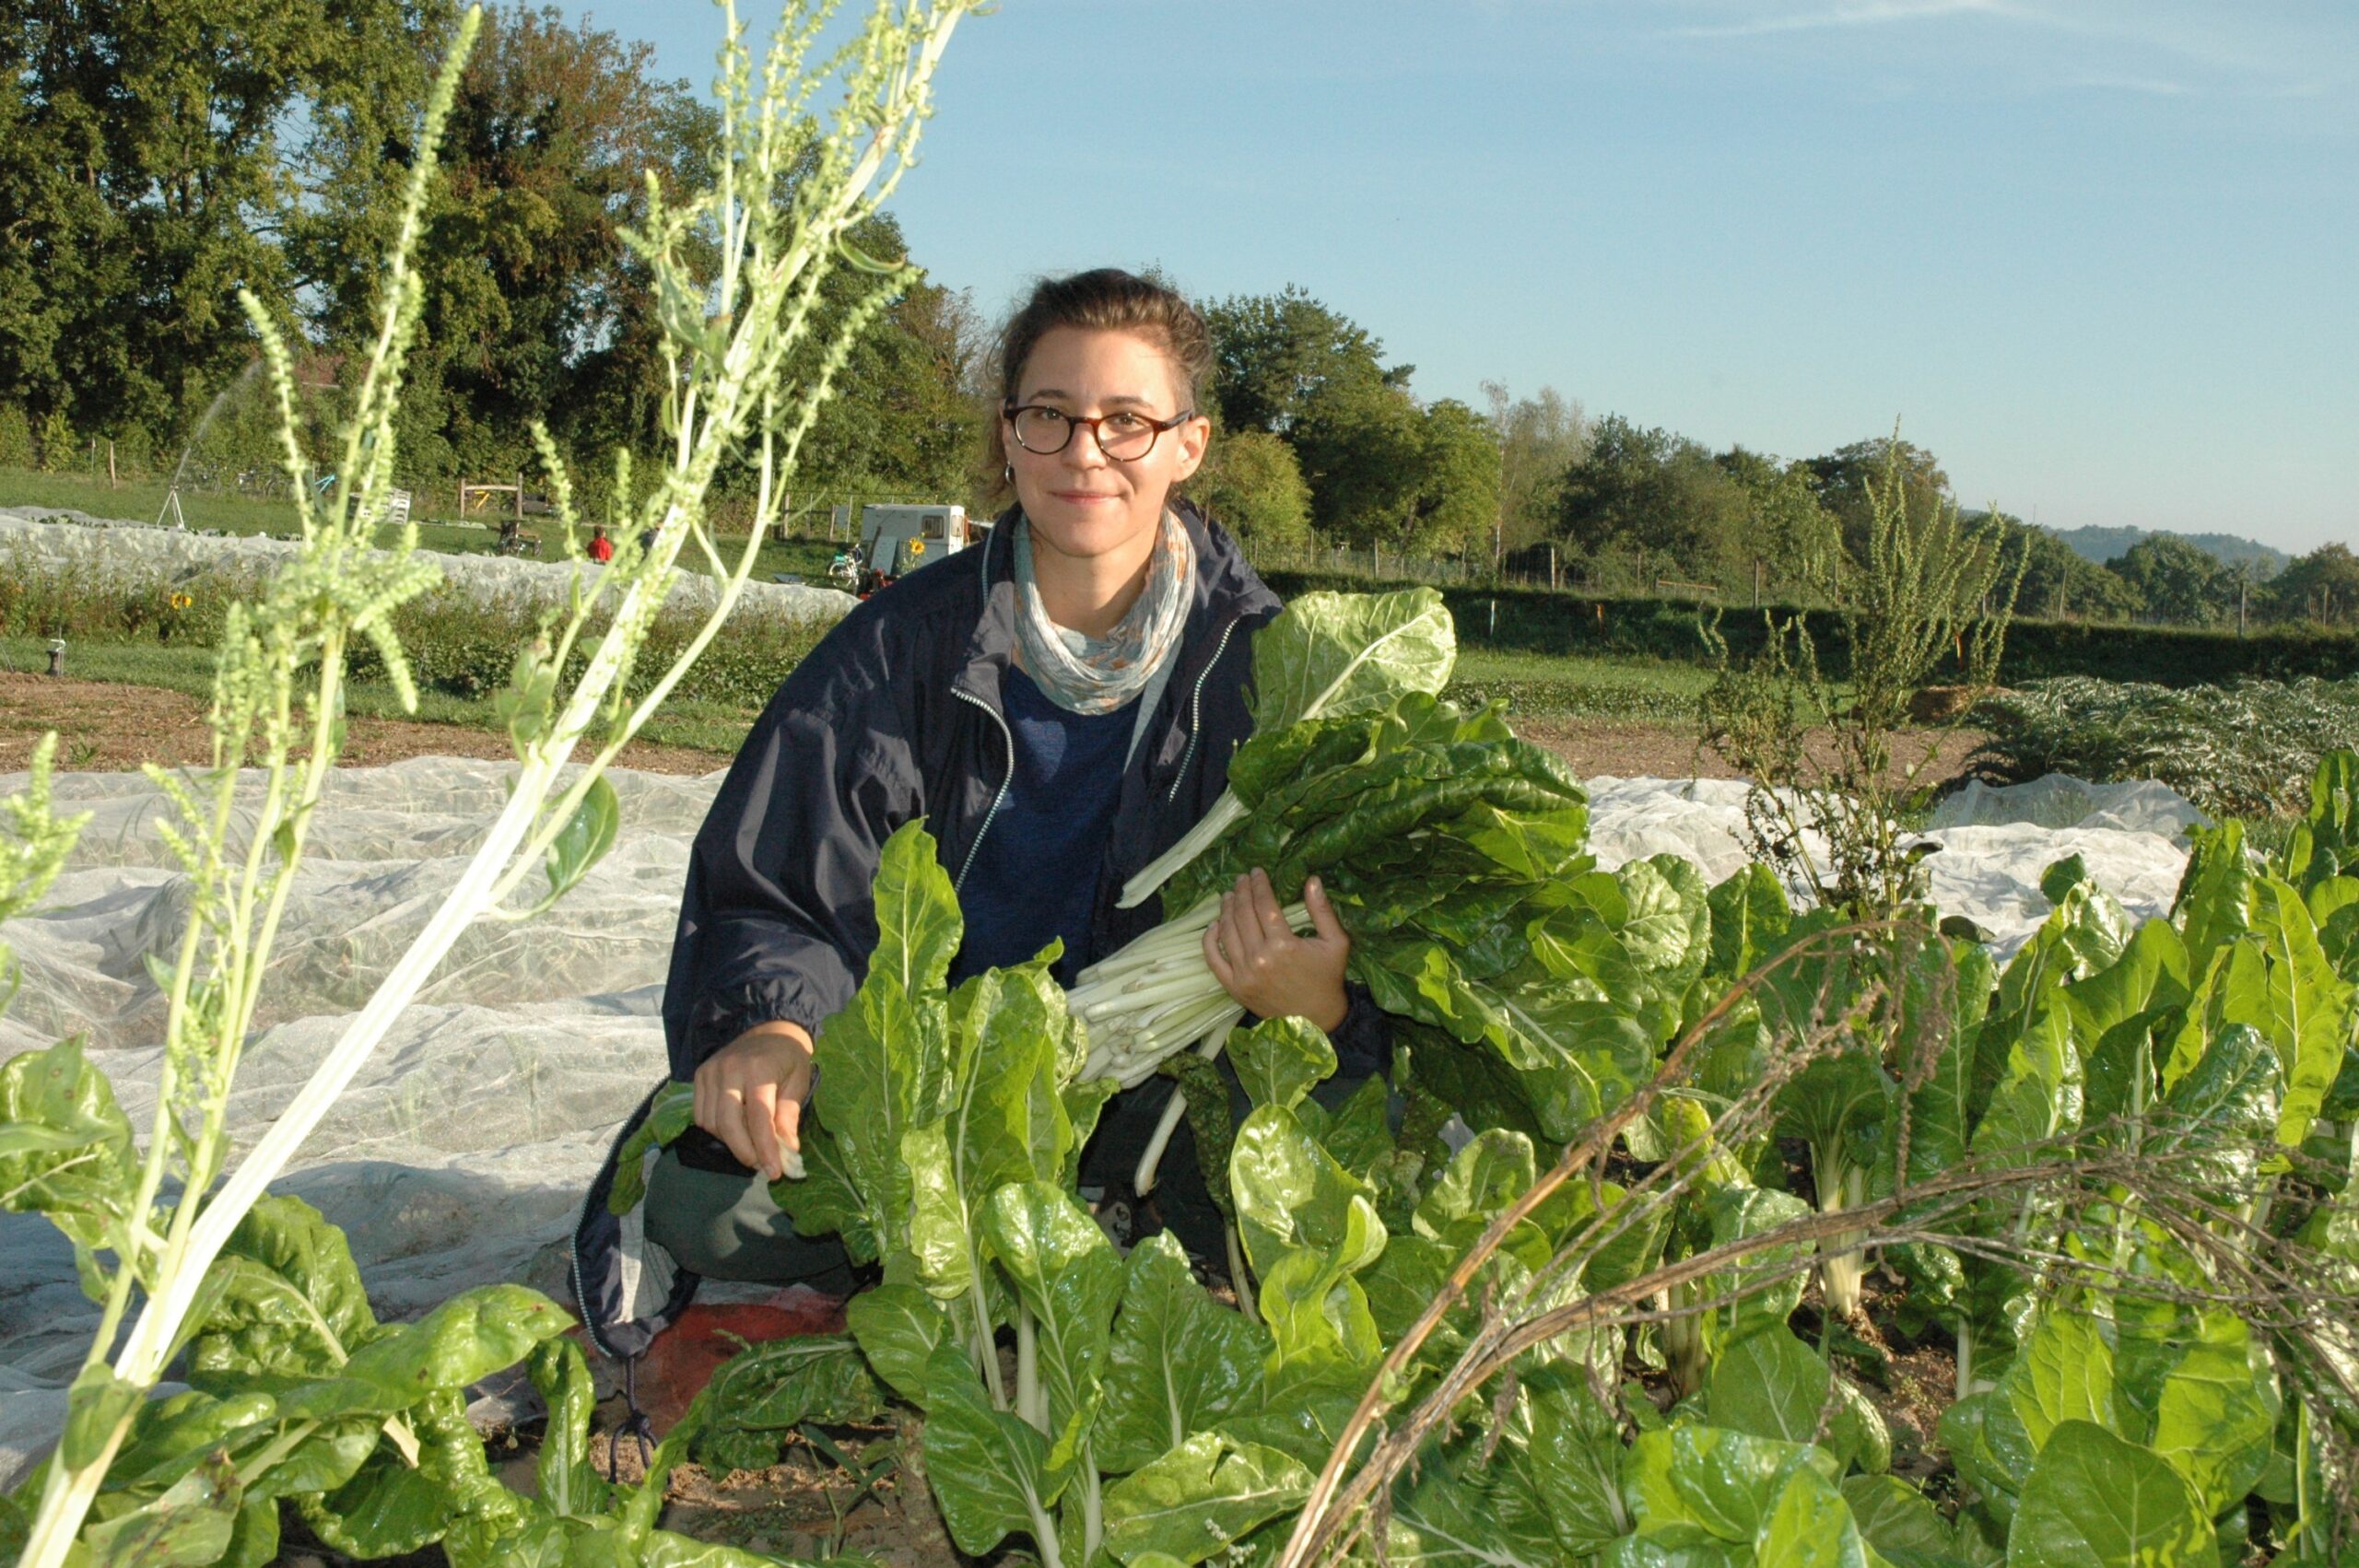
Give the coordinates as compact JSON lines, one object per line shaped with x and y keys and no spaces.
{"x":155,"y":158}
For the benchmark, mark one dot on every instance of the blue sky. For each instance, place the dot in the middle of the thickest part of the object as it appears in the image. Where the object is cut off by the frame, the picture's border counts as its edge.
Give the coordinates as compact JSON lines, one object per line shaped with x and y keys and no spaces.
{"x":2099,"y":256}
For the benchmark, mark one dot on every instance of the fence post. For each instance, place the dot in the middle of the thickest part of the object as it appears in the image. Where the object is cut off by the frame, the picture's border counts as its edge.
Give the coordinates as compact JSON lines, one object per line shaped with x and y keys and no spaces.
{"x":1552,"y":567}
{"x":1756,"y":582}
{"x":2242,"y":590}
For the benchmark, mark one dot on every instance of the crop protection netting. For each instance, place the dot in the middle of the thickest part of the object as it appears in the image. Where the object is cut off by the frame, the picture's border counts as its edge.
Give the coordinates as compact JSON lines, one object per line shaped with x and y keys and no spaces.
{"x":127,"y":553}
{"x":460,"y":1154}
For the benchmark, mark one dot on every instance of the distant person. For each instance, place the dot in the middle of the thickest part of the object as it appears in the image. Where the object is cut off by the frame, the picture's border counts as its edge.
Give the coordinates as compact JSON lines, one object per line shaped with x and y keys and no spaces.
{"x":646,"y":541}
{"x":601,"y":549}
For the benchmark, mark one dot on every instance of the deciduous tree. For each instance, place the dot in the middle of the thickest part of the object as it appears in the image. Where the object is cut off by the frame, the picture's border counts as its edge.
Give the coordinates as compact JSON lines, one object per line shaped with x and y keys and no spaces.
{"x":1540,"y":437}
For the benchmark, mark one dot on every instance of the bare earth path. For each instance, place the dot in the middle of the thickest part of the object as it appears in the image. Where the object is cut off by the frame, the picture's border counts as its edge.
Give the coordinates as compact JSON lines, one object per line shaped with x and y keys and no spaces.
{"x":105,"y":727}
{"x":102,"y":727}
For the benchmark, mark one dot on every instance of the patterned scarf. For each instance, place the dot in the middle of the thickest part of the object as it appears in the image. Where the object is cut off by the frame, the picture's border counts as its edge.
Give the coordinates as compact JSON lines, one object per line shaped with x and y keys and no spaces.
{"x":1084,"y":674}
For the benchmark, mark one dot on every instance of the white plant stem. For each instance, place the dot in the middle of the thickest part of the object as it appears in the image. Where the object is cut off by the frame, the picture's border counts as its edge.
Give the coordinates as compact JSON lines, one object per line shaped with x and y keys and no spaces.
{"x":1150,"y":1162}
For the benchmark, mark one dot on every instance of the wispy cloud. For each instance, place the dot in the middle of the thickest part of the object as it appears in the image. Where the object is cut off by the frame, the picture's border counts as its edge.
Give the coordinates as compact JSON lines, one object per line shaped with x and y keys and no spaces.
{"x":1861,"y":14}
{"x":2152,"y":87}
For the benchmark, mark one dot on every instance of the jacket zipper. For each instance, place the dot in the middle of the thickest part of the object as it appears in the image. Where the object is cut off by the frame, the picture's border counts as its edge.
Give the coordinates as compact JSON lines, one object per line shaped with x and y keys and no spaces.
{"x":1196,"y":712}
{"x":968,"y":865}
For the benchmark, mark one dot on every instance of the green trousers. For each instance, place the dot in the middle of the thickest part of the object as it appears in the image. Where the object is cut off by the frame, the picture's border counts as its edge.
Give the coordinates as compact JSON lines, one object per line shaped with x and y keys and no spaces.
{"x":725,"y":1227}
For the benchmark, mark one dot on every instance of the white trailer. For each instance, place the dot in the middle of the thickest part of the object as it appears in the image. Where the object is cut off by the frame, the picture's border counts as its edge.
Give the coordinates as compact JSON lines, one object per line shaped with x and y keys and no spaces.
{"x":895,"y":540}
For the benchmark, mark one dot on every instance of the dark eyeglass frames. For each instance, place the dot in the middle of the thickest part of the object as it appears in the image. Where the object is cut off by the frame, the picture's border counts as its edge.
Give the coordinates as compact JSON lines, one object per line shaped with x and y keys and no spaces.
{"x":1124,"y":435}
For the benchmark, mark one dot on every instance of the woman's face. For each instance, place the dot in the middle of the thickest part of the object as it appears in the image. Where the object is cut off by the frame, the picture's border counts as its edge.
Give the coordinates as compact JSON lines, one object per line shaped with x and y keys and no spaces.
{"x":1082,"y":503}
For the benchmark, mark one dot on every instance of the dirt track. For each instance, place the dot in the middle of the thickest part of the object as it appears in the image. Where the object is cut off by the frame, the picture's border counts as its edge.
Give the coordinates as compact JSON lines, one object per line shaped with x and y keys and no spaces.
{"x":103,"y":727}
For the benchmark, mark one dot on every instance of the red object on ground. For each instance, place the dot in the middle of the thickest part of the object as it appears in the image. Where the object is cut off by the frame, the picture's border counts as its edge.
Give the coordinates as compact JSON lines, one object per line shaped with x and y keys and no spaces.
{"x":684,"y":1356}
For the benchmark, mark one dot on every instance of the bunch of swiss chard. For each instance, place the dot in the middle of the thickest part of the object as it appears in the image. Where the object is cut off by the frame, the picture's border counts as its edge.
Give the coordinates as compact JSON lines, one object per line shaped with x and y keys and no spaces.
{"x":1456,"y":859}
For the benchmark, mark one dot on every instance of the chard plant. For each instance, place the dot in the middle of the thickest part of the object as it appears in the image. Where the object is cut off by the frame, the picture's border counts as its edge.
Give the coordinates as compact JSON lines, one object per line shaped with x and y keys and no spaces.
{"x":164,"y":1234}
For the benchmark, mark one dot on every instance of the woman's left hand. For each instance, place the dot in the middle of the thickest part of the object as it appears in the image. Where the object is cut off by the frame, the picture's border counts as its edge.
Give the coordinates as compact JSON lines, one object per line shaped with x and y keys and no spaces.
{"x":1271,"y":972}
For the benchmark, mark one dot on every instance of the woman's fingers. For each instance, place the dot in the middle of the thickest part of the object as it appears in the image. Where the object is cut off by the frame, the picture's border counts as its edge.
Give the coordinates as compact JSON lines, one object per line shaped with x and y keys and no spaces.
{"x":1323,"y":919}
{"x":761,"y":1130}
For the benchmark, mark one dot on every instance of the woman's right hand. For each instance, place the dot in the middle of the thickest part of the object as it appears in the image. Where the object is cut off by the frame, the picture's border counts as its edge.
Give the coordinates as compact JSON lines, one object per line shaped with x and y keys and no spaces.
{"x":750,"y":1095}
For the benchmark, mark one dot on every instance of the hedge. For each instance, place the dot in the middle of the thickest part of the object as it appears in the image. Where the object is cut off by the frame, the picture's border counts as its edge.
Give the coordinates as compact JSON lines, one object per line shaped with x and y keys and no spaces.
{"x":1538,"y":620}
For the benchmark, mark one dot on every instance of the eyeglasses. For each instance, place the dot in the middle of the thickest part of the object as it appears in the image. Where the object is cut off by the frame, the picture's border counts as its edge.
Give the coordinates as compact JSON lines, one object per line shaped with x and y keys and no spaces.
{"x":1125,"y":435}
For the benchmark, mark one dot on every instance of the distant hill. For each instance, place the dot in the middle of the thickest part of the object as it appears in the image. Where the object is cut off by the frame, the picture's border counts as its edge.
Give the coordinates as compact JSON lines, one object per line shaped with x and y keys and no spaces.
{"x":2102,"y":544}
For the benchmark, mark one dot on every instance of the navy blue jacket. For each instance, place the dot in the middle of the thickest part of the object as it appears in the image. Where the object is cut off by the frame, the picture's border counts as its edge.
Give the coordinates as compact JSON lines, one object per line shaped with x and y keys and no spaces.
{"x":897,"y":715}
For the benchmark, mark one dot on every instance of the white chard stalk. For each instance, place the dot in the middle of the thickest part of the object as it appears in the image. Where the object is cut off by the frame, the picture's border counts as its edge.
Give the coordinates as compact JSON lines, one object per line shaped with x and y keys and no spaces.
{"x":1842,"y":1264}
{"x":730,"y":394}
{"x":1156,"y":997}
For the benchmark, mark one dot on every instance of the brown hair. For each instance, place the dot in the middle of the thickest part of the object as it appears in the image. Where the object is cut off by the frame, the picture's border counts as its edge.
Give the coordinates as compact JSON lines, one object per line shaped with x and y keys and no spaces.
{"x":1104,"y":299}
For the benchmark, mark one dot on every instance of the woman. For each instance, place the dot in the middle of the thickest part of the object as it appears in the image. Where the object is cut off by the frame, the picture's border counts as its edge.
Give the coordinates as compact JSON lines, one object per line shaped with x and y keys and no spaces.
{"x":1059,"y":704}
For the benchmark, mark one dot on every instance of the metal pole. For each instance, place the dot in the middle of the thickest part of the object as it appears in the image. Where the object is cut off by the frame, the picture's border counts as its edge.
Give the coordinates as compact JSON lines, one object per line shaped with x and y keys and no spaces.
{"x":1756,"y":582}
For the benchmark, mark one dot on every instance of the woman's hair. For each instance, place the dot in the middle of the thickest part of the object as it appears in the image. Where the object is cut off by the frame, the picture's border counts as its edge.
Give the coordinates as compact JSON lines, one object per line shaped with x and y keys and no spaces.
{"x":1105,"y":300}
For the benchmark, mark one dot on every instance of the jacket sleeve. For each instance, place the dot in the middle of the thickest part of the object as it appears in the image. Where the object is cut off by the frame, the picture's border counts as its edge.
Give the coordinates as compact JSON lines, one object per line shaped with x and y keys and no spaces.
{"x":1363,"y":1041}
{"x":778,"y":918}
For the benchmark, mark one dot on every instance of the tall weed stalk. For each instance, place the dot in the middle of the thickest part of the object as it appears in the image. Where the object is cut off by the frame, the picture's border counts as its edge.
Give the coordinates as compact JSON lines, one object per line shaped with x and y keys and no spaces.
{"x":1830,"y":802}
{"x":787,"y":188}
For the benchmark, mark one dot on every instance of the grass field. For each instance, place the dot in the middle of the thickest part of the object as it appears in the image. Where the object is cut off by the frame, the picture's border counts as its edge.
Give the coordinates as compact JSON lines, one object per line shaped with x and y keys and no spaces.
{"x":142,"y":500}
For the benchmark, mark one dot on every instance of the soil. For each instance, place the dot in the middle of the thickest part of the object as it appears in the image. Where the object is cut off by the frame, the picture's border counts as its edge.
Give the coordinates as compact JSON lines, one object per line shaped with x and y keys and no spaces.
{"x":1625,"y":750}
{"x":105,"y":727}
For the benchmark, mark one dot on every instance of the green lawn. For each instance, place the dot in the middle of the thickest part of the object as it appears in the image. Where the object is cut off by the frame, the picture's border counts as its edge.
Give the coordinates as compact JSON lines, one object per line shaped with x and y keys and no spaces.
{"x":1580,"y":686}
{"x":144,"y":501}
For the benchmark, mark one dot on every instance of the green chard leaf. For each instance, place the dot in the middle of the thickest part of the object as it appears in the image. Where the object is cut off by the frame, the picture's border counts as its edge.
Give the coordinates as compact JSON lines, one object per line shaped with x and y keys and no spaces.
{"x":1067,"y":1275}
{"x":291,"y":1302}
{"x":2098,"y":1501}
{"x":1280,"y":1060}
{"x":992,"y":1473}
{"x":1178,"y":1362}
{"x":887,"y":1060}
{"x":66,"y":1148}
{"x":1193,"y":1501}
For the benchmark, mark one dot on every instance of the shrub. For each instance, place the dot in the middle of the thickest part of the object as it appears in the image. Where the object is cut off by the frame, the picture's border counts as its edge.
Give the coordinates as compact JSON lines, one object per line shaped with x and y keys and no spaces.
{"x":16,"y":437}
{"x":57,"y":441}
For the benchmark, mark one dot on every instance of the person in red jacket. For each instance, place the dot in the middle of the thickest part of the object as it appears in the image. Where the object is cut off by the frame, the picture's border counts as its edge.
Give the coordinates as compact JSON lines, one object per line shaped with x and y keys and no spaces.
{"x":601,"y":549}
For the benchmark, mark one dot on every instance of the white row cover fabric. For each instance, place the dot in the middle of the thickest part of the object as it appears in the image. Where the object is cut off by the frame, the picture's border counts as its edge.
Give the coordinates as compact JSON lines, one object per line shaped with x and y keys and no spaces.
{"x":117,"y":550}
{"x":460,"y":1152}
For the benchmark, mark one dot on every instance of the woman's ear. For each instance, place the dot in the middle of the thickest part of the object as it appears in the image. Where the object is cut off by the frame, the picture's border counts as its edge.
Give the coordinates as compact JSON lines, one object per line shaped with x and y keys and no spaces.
{"x":1194,"y":436}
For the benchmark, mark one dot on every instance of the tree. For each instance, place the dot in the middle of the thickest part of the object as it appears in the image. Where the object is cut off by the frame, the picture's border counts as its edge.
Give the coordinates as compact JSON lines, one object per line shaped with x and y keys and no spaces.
{"x":2060,"y":582}
{"x":1647,"y":492}
{"x":1539,"y":438}
{"x":2322,"y":586}
{"x":1361,"y":444}
{"x":144,"y":181}
{"x":903,"y":421}
{"x":534,"y":307}
{"x":1844,"y":476}
{"x":1785,"y":529}
{"x":1252,"y":486}
{"x":1274,"y":355}
{"x":2177,"y":582}
{"x":1456,"y":505}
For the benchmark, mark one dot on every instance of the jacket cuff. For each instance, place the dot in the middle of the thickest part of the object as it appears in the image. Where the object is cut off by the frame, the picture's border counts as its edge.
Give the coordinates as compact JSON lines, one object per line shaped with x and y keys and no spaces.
{"x":720,"y":1017}
{"x":1363,"y":1041}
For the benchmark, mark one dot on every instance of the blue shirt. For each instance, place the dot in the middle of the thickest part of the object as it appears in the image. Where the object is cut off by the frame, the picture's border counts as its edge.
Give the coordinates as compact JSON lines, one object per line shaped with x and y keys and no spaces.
{"x":1035,"y":873}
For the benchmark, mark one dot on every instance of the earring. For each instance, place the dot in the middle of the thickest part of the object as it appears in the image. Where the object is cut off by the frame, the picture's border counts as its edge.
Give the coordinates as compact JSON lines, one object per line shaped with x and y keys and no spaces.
{"x":1008,"y":474}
